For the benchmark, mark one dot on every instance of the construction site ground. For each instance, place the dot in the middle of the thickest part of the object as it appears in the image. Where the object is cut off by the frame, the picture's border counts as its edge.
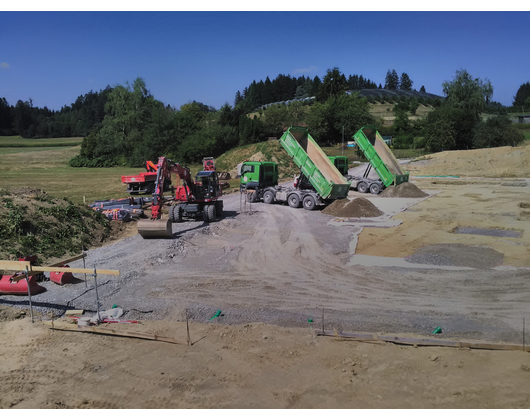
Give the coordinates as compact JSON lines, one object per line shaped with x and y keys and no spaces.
{"x":458,"y":259}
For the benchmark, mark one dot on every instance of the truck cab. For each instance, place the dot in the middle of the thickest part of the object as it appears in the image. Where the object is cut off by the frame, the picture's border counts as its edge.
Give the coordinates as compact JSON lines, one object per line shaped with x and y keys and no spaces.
{"x":341,"y":163}
{"x":258,"y":175}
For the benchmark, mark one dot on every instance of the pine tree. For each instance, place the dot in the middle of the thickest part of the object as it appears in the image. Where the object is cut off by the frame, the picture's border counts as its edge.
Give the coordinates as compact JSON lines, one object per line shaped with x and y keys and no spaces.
{"x":406,"y":83}
{"x":522,"y":93}
{"x":391,"y":80}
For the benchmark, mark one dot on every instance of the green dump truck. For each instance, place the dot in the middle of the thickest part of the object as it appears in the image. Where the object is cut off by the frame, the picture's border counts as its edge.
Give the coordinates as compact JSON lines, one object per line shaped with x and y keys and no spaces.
{"x":326,"y":182}
{"x":380,"y":158}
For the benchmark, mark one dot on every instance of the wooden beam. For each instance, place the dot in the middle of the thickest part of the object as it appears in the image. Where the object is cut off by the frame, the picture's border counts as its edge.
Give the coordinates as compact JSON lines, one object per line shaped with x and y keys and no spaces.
{"x":422,"y":341}
{"x":21,"y":266}
{"x":15,"y":265}
{"x":77,"y":270}
{"x":106,"y":331}
{"x":57,"y":264}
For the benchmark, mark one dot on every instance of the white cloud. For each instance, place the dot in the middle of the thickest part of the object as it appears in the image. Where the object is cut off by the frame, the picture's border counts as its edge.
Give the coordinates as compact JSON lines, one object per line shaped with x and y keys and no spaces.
{"x":4,"y":65}
{"x":307,"y":70}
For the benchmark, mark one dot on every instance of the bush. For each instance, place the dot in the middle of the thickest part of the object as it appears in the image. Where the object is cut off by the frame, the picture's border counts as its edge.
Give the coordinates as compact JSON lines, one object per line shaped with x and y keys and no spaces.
{"x":98,"y":162}
{"x":420,"y":142}
{"x":404,"y":141}
{"x":496,"y":132}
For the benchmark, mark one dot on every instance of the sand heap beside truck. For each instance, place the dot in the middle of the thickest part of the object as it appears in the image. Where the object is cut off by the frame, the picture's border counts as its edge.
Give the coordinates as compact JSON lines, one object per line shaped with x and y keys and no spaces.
{"x":326,"y":181}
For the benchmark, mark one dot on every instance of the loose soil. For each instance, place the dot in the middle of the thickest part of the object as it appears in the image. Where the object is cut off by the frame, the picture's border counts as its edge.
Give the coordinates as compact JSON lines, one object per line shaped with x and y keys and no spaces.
{"x":359,"y":207}
{"x":505,"y":162}
{"x":270,"y":269}
{"x":405,"y":190}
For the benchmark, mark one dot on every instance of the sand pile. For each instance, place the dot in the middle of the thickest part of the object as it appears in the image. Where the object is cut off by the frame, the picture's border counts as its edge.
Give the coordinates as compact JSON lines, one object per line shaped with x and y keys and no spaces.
{"x":405,"y":190}
{"x":500,"y":162}
{"x":360,"y":207}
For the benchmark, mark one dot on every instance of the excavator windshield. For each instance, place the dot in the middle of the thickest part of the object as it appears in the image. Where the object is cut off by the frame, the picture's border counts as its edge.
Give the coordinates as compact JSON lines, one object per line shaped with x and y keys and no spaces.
{"x":207,"y":184}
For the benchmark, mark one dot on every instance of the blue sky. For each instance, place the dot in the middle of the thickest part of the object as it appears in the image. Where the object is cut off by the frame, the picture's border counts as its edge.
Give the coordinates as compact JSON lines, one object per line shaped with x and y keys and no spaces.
{"x":53,"y":57}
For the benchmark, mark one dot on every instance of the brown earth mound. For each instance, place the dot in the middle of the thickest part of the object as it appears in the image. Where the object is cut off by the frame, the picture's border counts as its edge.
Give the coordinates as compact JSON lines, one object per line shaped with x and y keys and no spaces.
{"x":405,"y":190}
{"x":360,"y":207}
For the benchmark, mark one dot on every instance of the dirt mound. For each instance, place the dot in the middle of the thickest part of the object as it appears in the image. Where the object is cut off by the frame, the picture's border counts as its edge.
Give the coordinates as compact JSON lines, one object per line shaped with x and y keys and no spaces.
{"x":405,"y":190}
{"x":500,"y":162}
{"x":8,"y":313}
{"x":32,"y":223}
{"x":360,"y":207}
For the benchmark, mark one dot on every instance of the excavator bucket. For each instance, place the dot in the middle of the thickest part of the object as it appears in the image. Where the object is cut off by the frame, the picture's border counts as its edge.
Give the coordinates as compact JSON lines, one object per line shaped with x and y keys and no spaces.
{"x":151,"y":229}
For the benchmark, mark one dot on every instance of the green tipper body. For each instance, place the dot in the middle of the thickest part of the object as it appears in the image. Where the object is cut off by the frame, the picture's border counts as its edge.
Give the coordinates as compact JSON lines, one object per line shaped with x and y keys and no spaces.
{"x":380,"y":156}
{"x":314,"y":164}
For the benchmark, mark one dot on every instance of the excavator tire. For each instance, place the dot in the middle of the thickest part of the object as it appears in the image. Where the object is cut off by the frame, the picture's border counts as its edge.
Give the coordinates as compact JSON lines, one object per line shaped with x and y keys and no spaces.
{"x":211,"y":213}
{"x":205,"y":217}
{"x":155,"y":229}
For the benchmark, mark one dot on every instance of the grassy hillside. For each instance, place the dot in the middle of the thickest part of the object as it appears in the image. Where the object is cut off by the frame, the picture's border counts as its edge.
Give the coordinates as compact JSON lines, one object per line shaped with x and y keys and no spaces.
{"x":270,"y":151}
{"x":17,"y":141}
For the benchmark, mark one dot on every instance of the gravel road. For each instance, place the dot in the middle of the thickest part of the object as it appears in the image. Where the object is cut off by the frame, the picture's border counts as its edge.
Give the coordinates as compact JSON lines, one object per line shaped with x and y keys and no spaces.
{"x":275,"y":264}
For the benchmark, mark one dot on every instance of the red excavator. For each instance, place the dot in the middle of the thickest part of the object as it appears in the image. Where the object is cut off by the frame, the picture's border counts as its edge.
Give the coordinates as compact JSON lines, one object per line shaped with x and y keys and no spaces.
{"x":199,"y":197}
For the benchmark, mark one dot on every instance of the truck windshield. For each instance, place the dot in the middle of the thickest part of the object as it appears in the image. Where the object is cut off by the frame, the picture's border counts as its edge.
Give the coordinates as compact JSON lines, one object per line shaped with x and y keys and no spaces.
{"x":247,"y":168}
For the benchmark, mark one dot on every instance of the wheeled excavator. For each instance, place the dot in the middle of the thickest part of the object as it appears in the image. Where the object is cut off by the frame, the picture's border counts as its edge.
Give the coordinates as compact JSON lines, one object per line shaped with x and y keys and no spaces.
{"x":195,"y":198}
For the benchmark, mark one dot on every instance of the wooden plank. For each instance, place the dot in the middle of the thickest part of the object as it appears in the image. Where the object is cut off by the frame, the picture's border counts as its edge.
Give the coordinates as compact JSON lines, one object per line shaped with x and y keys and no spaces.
{"x":57,"y":264}
{"x":14,"y":265}
{"x":77,"y":270}
{"x":106,"y":331}
{"x":69,"y":260}
{"x":423,"y":341}
{"x":21,"y":266}
{"x":74,"y":312}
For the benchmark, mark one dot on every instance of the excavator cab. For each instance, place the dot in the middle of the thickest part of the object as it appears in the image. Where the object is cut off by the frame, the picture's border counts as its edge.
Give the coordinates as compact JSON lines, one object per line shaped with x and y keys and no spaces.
{"x":207,"y":185}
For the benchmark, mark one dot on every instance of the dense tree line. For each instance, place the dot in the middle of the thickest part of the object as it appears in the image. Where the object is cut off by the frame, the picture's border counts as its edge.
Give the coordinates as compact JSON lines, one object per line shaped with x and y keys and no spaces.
{"x":456,"y":122}
{"x":76,"y":120}
{"x":137,"y":127}
{"x":126,"y":125}
{"x":285,"y":88}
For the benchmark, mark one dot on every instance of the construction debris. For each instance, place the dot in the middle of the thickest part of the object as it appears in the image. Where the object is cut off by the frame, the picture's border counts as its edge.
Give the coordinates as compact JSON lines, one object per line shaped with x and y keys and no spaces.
{"x":121,"y":209}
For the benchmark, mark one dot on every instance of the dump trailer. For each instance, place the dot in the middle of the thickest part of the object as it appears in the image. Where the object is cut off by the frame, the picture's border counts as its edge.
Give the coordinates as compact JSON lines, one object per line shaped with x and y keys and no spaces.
{"x":380,"y":158}
{"x":326,"y":182}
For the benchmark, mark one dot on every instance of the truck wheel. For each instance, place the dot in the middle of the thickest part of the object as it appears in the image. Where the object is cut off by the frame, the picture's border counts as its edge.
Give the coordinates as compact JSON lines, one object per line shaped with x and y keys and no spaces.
{"x":294,"y":201}
{"x":374,"y":189}
{"x":211,"y":213}
{"x":309,"y":202}
{"x":362,"y":187}
{"x":268,"y":197}
{"x":205,"y":214}
{"x":172,"y":214}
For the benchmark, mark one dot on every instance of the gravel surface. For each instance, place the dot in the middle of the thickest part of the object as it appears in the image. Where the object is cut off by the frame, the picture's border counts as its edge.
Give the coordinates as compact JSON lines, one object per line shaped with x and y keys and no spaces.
{"x":276,"y":264}
{"x":501,"y":233}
